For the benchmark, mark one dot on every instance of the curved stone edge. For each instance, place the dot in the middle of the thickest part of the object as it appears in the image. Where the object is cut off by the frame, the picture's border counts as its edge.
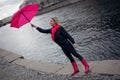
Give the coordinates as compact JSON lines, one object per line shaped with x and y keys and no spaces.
{"x":5,"y":21}
{"x":109,"y":67}
{"x":9,"y":56}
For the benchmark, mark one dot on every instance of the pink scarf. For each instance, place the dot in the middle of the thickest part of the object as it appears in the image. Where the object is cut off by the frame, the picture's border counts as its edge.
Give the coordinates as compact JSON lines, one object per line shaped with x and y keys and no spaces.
{"x":54,"y":30}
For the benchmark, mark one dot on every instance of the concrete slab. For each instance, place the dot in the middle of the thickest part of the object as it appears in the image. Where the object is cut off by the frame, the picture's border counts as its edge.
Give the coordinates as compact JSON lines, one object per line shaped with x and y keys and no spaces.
{"x":67,"y":70}
{"x":25,"y":62}
{"x":48,"y":68}
{"x":39,"y":66}
{"x":12,"y":56}
{"x":22,"y":62}
{"x":111,"y":67}
{"x":4,"y":53}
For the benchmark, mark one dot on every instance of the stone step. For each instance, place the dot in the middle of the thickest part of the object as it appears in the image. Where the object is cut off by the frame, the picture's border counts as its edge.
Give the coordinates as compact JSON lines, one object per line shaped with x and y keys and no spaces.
{"x":12,"y":57}
{"x":39,"y":66}
{"x":4,"y":53}
{"x":9,"y":56}
{"x":111,"y":67}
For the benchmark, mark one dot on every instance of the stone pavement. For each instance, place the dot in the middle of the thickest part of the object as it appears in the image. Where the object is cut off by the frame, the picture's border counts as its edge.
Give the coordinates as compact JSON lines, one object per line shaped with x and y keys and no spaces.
{"x":15,"y":67}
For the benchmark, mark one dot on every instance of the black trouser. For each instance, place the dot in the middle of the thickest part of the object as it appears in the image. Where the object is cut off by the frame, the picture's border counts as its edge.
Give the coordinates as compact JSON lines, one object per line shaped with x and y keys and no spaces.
{"x":69,"y":50}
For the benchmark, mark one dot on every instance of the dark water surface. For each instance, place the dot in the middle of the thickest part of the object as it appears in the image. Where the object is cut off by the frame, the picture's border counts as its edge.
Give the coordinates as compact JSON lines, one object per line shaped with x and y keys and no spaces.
{"x":94,"y":24}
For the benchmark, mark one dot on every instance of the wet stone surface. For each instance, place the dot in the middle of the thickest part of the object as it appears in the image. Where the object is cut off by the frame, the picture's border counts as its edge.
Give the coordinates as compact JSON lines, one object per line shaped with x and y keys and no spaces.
{"x":10,"y":71}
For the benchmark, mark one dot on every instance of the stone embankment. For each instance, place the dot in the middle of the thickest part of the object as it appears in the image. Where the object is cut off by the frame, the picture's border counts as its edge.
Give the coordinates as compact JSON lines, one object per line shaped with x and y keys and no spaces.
{"x":11,"y":64}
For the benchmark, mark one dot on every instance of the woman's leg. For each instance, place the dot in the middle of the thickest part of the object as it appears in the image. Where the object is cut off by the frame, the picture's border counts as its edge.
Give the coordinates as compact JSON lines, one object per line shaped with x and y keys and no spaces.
{"x":70,"y":57}
{"x":72,"y":50}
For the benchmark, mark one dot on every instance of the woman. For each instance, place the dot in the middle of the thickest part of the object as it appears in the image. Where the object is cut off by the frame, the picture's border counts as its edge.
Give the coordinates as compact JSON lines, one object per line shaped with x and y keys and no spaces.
{"x":66,"y":42}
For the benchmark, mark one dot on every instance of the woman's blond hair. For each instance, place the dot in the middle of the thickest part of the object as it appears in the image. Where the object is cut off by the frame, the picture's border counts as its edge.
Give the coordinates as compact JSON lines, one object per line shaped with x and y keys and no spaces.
{"x":55,"y":19}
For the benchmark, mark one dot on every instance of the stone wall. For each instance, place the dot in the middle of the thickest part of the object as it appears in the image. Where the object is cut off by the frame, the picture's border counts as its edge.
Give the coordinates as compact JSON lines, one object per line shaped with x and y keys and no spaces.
{"x":5,"y":21}
{"x":44,"y":6}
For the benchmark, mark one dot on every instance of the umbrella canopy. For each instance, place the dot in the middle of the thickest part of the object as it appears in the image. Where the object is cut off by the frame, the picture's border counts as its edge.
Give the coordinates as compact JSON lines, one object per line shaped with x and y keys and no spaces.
{"x":24,"y":15}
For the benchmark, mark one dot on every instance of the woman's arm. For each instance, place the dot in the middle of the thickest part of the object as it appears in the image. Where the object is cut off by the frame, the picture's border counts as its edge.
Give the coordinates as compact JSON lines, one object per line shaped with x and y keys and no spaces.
{"x":41,"y":30}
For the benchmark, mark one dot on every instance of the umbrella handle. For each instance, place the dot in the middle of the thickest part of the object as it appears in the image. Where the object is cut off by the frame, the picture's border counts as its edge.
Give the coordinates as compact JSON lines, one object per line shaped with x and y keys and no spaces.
{"x":30,"y":24}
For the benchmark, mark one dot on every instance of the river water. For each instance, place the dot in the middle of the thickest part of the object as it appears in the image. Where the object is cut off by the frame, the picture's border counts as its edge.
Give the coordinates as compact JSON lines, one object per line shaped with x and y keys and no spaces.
{"x":94,"y":24}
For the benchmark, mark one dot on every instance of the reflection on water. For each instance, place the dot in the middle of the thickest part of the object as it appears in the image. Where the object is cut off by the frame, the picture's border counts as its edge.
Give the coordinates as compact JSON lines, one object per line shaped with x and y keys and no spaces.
{"x":89,"y":22}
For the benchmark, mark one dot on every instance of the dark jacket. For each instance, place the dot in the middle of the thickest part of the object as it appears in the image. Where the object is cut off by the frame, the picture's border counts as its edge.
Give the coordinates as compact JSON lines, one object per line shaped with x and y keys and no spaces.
{"x":61,"y":35}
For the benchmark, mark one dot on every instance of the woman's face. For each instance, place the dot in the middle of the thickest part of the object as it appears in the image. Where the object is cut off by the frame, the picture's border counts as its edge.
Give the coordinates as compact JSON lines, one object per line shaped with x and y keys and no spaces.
{"x":52,"y":22}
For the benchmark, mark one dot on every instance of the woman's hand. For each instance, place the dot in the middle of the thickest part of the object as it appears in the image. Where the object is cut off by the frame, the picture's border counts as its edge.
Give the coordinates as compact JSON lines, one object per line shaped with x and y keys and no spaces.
{"x":75,"y":45}
{"x":33,"y":26}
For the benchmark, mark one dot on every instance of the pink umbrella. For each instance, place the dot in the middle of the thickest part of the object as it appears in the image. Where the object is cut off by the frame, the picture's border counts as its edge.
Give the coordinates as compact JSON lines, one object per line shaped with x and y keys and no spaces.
{"x":24,"y":15}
